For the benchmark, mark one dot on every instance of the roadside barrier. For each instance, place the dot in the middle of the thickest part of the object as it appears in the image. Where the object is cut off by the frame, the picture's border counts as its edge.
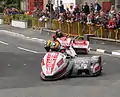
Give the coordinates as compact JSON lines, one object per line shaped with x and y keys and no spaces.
{"x":7,"y":19}
{"x":79,"y":29}
{"x":75,"y":29}
{"x":36,"y":24}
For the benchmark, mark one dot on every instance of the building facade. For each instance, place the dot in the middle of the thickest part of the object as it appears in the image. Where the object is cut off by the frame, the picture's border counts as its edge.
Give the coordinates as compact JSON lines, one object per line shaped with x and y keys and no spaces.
{"x":30,"y":4}
{"x":35,"y":3}
{"x":24,"y":4}
{"x":74,"y":2}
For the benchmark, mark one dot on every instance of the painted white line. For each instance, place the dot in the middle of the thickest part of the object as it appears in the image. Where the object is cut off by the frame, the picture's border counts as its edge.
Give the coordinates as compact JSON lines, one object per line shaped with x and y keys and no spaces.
{"x":42,"y":52}
{"x":4,"y":43}
{"x":115,"y":53}
{"x":24,"y":49}
{"x":100,"y":50}
{"x":23,"y":36}
{"x":9,"y":65}
{"x":116,"y":56}
{"x":41,"y":41}
{"x":28,"y":37}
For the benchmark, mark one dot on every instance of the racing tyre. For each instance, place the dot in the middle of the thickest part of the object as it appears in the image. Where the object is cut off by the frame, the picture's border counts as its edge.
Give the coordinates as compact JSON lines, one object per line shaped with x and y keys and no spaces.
{"x":87,"y":50}
{"x":97,"y":74}
{"x":42,"y":77}
{"x":47,"y":48}
{"x":70,"y":73}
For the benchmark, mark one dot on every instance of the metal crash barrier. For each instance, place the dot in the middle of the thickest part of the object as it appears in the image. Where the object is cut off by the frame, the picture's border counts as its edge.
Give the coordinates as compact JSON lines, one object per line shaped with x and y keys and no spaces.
{"x":79,"y":29}
{"x":36,"y":24}
{"x":76,"y":29}
{"x":7,"y":19}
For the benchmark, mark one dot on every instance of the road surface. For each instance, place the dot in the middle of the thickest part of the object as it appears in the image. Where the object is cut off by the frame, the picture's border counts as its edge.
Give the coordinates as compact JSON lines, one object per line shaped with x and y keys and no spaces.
{"x":20,"y":67}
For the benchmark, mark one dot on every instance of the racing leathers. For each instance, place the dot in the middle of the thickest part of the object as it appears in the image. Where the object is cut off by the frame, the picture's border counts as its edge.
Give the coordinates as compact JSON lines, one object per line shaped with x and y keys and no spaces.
{"x":57,"y":46}
{"x":58,"y":34}
{"x":52,"y":46}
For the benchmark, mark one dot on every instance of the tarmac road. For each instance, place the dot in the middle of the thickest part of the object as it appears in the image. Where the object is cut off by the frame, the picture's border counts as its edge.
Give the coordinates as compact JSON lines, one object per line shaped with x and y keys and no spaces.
{"x":20,"y":68}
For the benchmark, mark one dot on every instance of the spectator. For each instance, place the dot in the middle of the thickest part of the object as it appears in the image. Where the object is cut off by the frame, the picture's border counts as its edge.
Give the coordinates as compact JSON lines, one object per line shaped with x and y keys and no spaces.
{"x":91,"y":18}
{"x":62,"y":7}
{"x":77,"y":17}
{"x":118,"y":20}
{"x":86,"y":9}
{"x":71,"y":9}
{"x":56,"y":13}
{"x":67,"y":11}
{"x":112,"y":12}
{"x":112,"y":25}
{"x":97,"y":7}
{"x":98,"y":18}
{"x":49,"y":5}
{"x":81,"y":8}
{"x":92,"y":9}
{"x":77,"y":9}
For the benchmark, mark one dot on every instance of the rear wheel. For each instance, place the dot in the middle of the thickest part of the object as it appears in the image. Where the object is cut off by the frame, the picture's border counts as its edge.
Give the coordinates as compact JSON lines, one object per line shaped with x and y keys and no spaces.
{"x":97,"y":73}
{"x":87,"y":50}
{"x":70,"y":73}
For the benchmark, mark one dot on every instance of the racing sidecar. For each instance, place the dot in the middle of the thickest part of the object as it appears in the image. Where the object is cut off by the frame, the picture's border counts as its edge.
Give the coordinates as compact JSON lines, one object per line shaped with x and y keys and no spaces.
{"x":56,"y":65}
{"x":80,"y":46}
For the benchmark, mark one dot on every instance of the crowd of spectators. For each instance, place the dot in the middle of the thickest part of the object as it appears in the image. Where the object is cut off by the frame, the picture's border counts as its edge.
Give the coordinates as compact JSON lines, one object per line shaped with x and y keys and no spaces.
{"x":89,"y":14}
{"x":12,"y":11}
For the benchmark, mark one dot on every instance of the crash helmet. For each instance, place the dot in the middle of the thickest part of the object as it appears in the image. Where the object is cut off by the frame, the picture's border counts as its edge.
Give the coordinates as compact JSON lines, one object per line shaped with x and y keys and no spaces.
{"x":47,"y":43}
{"x":59,"y":34}
{"x":55,"y":46}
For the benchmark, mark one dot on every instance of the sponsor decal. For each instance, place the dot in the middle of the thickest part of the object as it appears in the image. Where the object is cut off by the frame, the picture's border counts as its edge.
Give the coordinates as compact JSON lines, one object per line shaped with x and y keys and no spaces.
{"x":50,"y":63}
{"x":81,"y":43}
{"x":65,"y":41}
{"x":60,"y":62}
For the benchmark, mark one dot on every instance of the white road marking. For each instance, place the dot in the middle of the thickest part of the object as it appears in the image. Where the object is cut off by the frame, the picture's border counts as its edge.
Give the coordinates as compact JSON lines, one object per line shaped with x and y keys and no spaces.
{"x":104,"y":54}
{"x":42,"y":41}
{"x":4,"y":43}
{"x":24,"y":49}
{"x":100,"y":50}
{"x":32,"y":51}
{"x":23,"y":36}
{"x":25,"y":64}
{"x":9,"y":65}
{"x":42,"y":52}
{"x":116,"y":56}
{"x":104,"y":63}
{"x":115,"y":53}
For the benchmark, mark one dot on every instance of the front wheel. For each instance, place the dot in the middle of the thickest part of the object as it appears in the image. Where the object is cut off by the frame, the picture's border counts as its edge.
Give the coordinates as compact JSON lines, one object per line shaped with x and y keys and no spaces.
{"x":42,"y":77}
{"x":47,"y":49}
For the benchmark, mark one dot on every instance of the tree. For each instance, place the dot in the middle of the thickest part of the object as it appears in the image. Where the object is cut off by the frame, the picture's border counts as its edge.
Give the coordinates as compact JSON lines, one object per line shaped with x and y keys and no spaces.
{"x":9,"y":3}
{"x":2,"y":5}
